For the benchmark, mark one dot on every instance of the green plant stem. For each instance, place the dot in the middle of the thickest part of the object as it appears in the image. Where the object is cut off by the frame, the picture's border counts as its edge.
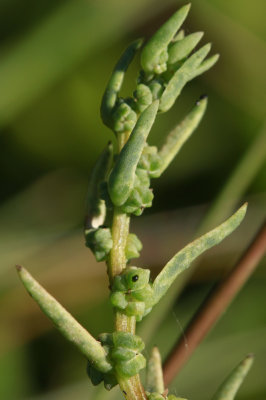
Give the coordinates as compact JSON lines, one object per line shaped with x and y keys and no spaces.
{"x":120,"y":230}
{"x":132,"y":387}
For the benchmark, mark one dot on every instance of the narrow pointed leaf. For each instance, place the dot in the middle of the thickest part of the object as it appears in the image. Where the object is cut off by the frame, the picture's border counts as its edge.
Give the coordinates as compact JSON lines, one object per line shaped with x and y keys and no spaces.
{"x":154,"y":379}
{"x":65,"y":322}
{"x":179,"y":135}
{"x":180,"y":35}
{"x":95,"y":207}
{"x":182,"y":48}
{"x":184,"y":257}
{"x":230,"y":386}
{"x":181,"y":77}
{"x":122,"y":177}
{"x":206,"y":65}
{"x":116,"y":80}
{"x":150,"y":54}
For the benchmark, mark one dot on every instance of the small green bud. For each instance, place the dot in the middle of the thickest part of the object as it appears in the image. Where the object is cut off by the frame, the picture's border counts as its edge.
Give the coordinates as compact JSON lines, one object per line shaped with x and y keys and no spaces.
{"x":143,"y":97}
{"x":124,"y":118}
{"x":133,"y":246}
{"x":156,"y":87}
{"x":154,"y":55}
{"x":141,"y":195}
{"x":99,"y":241}
{"x":150,"y":161}
{"x":155,"y":396}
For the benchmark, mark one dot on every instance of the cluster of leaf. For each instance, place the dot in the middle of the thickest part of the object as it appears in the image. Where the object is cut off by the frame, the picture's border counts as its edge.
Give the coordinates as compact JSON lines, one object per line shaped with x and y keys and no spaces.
{"x":123,"y":181}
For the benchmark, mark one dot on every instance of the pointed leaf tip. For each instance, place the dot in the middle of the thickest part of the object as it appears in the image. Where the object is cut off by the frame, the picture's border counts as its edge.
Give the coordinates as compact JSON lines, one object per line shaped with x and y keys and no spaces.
{"x":65,"y":322}
{"x":230,"y":386}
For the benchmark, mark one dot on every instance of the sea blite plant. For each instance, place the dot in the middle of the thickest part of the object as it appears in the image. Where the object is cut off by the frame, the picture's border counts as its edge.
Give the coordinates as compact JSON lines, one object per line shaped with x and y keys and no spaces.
{"x":119,"y":187}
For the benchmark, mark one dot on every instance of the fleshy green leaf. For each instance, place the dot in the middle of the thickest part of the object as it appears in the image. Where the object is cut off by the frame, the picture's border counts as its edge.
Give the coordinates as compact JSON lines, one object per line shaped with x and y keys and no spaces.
{"x":154,"y":54}
{"x":181,"y":77}
{"x":95,"y":207}
{"x":184,"y":257}
{"x":115,"y":82}
{"x":205,"y":65}
{"x":121,"y":180}
{"x":179,"y":135}
{"x":65,"y":322}
{"x":182,"y":48}
{"x":230,"y":386}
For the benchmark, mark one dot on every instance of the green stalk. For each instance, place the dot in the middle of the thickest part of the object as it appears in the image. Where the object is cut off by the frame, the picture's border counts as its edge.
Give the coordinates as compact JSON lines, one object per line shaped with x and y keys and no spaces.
{"x":131,"y":387}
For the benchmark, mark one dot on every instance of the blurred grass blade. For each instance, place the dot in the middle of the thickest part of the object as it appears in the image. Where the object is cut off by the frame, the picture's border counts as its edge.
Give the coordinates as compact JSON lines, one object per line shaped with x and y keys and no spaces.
{"x":47,"y":53}
{"x":154,"y":379}
{"x":239,"y":181}
{"x":229,"y":388}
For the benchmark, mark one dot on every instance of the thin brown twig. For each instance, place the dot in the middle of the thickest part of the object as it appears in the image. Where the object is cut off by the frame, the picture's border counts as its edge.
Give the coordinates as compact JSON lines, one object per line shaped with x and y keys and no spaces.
{"x":213,"y":307}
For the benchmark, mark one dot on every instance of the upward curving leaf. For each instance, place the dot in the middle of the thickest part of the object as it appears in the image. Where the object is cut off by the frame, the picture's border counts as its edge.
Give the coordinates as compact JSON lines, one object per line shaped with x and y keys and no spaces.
{"x":154,"y":54}
{"x":115,"y":83}
{"x":179,"y":135}
{"x":230,"y":386}
{"x":184,"y":257}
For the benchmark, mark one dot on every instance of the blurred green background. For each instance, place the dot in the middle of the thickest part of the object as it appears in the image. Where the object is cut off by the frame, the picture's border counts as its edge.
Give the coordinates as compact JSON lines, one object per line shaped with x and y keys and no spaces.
{"x":56,"y":57}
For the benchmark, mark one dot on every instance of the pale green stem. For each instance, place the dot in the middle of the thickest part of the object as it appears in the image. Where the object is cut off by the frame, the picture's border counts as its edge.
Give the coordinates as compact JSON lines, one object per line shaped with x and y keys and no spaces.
{"x":132,"y":387}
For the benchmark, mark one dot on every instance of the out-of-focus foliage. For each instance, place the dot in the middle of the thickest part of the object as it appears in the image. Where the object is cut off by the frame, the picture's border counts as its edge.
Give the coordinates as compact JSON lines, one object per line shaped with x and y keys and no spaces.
{"x":56,"y":58}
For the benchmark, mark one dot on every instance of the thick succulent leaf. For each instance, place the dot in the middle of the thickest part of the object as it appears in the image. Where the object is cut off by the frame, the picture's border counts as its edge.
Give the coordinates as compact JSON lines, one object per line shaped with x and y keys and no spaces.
{"x":181,"y":77}
{"x":230,"y":386}
{"x":205,"y":65}
{"x":179,"y":36}
{"x":95,"y":207}
{"x":121,"y":180}
{"x":116,"y":80}
{"x":182,"y":48}
{"x":150,"y":55}
{"x":65,"y":323}
{"x":179,"y":135}
{"x":184,"y":257}
{"x":154,"y":377}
